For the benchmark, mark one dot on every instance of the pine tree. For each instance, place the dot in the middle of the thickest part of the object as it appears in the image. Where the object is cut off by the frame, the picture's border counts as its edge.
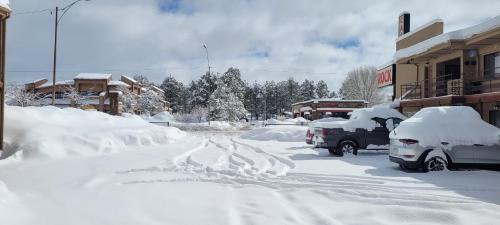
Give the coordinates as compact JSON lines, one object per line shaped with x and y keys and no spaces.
{"x":225,"y":105}
{"x":307,"y":90}
{"x":232,"y":79}
{"x":322,"y":89}
{"x":174,"y":93}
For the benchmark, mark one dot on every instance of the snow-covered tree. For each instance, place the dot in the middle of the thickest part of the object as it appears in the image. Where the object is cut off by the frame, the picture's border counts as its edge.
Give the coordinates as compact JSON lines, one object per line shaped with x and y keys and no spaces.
{"x":74,"y":95}
{"x":18,"y":96}
{"x":149,"y":102}
{"x":128,"y":99}
{"x":232,"y":79}
{"x":307,"y":90}
{"x":174,"y":93}
{"x":225,"y":105}
{"x":361,"y":83}
{"x":199,"y":113}
{"x":334,"y":94}
{"x":322,"y":89}
{"x":141,"y":79}
{"x":206,"y":85}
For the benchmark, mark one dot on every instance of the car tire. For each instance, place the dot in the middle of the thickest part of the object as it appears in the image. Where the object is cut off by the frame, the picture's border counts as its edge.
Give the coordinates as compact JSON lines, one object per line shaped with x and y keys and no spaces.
{"x":346,"y":147}
{"x":435,"y":163}
{"x":332,"y":151}
{"x":403,"y":167}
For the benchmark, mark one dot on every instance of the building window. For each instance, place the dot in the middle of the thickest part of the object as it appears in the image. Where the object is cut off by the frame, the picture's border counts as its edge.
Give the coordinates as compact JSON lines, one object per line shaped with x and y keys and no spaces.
{"x":492,"y":65}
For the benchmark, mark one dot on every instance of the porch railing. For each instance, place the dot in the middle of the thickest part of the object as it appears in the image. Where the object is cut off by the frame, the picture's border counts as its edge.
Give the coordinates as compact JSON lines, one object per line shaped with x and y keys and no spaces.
{"x":451,"y":84}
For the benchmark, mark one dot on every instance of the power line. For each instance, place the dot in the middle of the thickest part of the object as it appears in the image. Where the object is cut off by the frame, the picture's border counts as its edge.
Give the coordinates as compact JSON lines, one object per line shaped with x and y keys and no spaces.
{"x":33,"y":12}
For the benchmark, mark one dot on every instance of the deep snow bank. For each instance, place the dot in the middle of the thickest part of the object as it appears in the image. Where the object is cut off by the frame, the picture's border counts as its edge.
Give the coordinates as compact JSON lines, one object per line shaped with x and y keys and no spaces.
{"x":277,"y":133}
{"x":457,"y":125}
{"x":34,"y":132}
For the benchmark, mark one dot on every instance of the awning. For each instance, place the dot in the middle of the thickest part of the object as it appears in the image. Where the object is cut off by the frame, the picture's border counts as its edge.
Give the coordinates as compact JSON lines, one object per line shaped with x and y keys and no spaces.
{"x":306,"y":108}
{"x":335,"y":109}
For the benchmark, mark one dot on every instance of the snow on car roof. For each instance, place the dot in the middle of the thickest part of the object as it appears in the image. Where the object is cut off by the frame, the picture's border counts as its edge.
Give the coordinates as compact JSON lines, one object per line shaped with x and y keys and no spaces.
{"x":93,"y":76}
{"x":457,"y":125}
{"x":444,"y":38}
{"x":362,"y":118}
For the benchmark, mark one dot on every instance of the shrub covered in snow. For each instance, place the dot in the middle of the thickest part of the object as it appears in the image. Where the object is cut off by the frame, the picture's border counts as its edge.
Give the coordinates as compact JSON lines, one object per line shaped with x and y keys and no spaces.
{"x":33,"y":132}
{"x":457,"y":125}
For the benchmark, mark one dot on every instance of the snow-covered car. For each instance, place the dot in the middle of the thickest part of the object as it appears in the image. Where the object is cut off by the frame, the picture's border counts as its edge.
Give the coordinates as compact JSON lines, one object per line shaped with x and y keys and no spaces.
{"x":367,"y":128}
{"x":316,"y":124}
{"x":439,"y":137}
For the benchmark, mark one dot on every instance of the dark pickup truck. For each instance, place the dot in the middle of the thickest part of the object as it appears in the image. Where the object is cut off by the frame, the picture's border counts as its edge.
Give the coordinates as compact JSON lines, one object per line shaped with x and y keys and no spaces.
{"x":361,"y":133}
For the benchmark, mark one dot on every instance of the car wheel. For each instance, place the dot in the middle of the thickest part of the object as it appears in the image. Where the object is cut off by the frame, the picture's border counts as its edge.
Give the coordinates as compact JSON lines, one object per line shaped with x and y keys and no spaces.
{"x":347,"y":147}
{"x":403,"y":167}
{"x":332,"y":151}
{"x":435,"y":163}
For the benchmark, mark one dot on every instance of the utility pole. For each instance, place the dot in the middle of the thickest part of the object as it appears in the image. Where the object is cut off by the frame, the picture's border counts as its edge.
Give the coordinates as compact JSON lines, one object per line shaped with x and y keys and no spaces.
{"x":55,"y":59}
{"x":209,"y":85}
{"x":56,"y":24}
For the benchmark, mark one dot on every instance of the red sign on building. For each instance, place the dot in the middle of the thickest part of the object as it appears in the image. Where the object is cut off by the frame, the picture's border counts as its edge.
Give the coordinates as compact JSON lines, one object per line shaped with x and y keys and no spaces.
{"x":384,"y":77}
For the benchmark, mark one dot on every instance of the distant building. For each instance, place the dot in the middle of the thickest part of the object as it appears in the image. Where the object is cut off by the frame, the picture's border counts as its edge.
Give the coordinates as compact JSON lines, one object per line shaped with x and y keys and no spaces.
{"x":100,"y":91}
{"x":4,"y":14}
{"x":433,"y":68}
{"x":326,"y":107}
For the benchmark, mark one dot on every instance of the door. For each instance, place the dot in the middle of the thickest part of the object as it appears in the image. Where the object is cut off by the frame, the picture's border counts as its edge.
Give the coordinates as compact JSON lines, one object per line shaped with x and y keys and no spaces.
{"x":487,"y":154}
{"x":462,"y":153}
{"x":378,"y":138}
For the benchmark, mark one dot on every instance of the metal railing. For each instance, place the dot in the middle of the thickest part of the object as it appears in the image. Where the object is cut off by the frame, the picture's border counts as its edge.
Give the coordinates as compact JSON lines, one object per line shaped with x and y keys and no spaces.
{"x":451,"y":84}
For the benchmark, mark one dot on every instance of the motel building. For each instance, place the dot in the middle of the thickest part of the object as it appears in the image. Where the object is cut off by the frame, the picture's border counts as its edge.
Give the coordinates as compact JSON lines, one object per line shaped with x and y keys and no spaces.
{"x":326,"y":107}
{"x":432,"y":68}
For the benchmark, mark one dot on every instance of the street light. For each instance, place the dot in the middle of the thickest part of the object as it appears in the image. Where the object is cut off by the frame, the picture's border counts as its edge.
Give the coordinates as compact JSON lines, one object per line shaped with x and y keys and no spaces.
{"x":57,"y":20}
{"x":209,"y":86}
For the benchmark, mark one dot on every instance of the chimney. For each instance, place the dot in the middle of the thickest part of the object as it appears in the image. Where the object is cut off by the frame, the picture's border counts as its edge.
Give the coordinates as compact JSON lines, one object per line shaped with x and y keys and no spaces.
{"x":404,"y":23}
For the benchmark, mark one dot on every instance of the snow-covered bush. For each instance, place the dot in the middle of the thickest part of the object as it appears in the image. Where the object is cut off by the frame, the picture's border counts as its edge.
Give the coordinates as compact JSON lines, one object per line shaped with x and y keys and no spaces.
{"x":73,"y":94}
{"x":225,"y":105}
{"x":128,"y":99}
{"x":150,"y":103}
{"x":17,"y":96}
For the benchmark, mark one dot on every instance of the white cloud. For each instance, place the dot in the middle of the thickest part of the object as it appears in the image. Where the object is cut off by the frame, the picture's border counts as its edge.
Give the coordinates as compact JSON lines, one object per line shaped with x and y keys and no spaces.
{"x":296,"y":38}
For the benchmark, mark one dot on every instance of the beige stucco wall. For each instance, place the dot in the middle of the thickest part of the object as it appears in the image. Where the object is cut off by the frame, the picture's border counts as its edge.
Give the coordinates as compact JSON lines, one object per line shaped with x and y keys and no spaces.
{"x":405,"y":73}
{"x":421,"y":35}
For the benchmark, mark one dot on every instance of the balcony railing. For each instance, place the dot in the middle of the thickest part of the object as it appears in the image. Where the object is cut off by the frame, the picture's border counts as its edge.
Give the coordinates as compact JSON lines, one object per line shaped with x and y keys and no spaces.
{"x":451,"y":84}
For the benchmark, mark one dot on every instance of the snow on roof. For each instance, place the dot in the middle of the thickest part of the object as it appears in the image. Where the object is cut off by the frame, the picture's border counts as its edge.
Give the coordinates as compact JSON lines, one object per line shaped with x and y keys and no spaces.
{"x":118,"y":83}
{"x":330,"y":100}
{"x":64,"y":82}
{"x":155,"y":88}
{"x":5,"y":4}
{"x":129,"y":78}
{"x":446,"y":37}
{"x":433,"y":125}
{"x":419,"y":29}
{"x":93,"y":76}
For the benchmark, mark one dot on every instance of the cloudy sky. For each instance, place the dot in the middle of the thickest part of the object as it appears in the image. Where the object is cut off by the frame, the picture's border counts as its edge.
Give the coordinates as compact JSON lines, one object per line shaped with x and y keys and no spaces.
{"x":321,"y":39}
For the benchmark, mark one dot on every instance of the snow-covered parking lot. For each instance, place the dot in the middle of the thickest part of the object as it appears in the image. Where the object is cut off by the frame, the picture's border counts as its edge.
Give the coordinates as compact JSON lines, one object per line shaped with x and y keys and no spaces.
{"x":217,"y":178}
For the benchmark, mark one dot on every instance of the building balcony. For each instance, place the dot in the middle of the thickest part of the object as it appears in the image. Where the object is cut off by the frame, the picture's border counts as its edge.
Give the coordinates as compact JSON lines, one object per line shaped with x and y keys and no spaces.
{"x":452,"y":84}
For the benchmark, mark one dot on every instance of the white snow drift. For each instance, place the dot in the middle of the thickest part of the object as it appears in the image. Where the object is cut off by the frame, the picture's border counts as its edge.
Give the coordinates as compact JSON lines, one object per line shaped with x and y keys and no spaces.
{"x":288,"y":133}
{"x":457,"y":125}
{"x":53,"y":132}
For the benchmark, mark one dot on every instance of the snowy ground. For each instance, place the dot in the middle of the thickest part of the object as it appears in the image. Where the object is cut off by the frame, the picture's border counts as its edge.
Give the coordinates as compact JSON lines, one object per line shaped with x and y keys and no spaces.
{"x":220,"y":178}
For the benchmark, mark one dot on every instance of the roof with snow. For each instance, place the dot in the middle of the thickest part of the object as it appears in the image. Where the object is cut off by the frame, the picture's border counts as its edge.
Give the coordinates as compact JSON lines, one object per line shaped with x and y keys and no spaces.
{"x":157,"y":89}
{"x":63,"y":82}
{"x":118,"y":83}
{"x":93,"y":76}
{"x":5,"y":4}
{"x":461,"y":34}
{"x":329,"y":100}
{"x":130,"y":79}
